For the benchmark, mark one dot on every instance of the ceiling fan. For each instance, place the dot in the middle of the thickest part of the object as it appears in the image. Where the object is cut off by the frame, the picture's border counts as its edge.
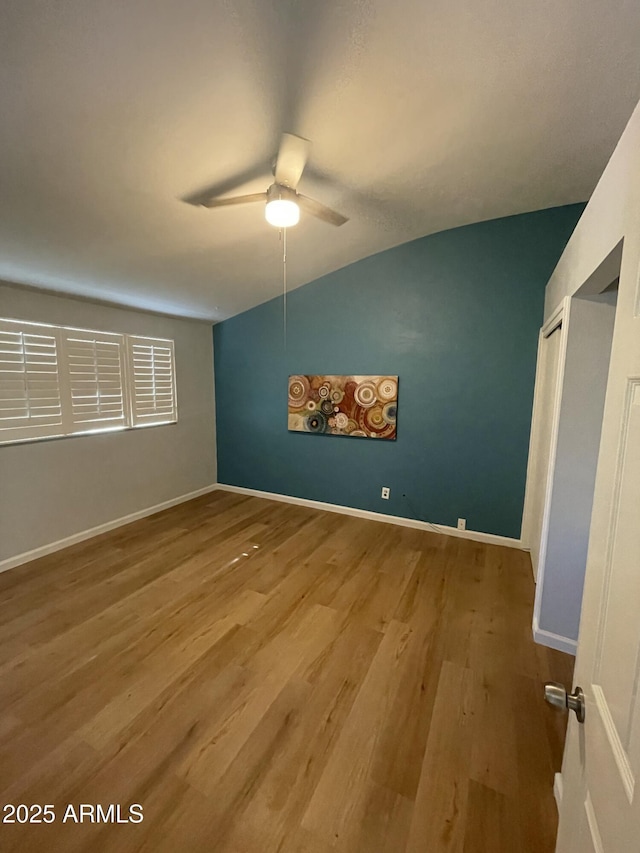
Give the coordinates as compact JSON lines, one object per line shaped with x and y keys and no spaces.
{"x":283,"y":201}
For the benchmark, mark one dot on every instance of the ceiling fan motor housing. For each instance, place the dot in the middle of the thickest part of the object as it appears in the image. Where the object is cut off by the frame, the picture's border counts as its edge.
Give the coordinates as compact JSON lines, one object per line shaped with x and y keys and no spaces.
{"x":278,"y":192}
{"x":282,"y":209}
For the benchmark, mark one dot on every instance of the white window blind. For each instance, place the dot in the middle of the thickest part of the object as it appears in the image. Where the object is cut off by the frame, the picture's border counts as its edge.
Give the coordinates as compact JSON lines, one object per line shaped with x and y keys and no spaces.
{"x":152,"y":371}
{"x":30,"y":393}
{"x":94,"y":368}
{"x":57,"y":381}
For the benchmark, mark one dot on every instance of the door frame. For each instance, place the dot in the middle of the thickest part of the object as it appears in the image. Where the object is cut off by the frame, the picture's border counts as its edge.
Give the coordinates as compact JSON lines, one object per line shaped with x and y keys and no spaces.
{"x":559,"y":318}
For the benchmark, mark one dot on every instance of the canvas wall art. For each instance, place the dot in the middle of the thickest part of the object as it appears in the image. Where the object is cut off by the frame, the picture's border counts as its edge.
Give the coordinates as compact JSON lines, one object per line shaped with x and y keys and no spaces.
{"x":357,"y":406}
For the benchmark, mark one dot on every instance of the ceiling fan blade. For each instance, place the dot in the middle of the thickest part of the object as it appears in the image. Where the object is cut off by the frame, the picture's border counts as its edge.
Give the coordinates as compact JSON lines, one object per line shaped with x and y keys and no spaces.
{"x":292,"y":157}
{"x":320,"y":211}
{"x":233,"y":184}
{"x":237,"y":199}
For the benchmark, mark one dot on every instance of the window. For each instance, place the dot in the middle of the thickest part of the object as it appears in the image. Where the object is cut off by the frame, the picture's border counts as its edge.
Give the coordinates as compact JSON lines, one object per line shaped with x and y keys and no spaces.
{"x":57,"y":381}
{"x":95,"y":373}
{"x":30,"y":396}
{"x":152,"y":380}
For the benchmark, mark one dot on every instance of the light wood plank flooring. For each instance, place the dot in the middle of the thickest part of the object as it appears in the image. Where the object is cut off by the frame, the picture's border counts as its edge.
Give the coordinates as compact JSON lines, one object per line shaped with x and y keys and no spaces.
{"x":266,"y":678}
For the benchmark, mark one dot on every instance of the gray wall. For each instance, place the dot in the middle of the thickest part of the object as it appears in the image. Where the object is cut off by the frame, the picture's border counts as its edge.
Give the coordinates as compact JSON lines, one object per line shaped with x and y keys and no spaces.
{"x":53,"y":489}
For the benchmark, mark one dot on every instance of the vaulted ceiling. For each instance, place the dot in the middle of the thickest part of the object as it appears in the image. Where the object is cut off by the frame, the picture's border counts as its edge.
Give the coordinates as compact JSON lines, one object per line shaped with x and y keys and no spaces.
{"x":424,"y":115}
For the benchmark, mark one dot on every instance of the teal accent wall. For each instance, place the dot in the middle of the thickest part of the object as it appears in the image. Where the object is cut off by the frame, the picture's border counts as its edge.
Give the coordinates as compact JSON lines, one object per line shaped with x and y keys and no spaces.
{"x":456,"y":316}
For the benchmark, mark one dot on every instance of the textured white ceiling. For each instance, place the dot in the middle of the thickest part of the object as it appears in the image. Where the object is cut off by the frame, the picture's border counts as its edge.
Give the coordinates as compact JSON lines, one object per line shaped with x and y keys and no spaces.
{"x":424,"y":115}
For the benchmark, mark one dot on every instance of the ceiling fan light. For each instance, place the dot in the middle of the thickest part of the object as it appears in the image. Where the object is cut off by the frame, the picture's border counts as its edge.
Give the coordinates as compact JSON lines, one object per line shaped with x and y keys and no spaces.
{"x":282,"y":213}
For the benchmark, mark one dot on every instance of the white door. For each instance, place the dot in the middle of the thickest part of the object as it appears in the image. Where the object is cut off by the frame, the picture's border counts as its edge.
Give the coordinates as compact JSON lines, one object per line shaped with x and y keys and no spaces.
{"x":600,"y":809}
{"x":541,"y":435}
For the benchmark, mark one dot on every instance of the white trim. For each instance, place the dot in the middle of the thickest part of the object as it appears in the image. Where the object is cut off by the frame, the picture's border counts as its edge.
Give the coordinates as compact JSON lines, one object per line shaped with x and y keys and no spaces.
{"x":477,"y":536}
{"x":43,"y":550}
{"x":557,"y":789}
{"x":525,"y":527}
{"x":555,"y":320}
{"x":553,"y":641}
{"x":592,"y":823}
{"x":618,"y":750}
{"x":561,"y":315}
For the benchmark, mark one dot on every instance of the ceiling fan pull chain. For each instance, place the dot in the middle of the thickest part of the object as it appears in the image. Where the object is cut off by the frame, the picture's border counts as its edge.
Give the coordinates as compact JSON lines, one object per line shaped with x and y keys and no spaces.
{"x":283,"y":236}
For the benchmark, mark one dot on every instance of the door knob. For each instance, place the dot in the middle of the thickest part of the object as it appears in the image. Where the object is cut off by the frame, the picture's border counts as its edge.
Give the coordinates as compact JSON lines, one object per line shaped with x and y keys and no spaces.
{"x":556,"y":694}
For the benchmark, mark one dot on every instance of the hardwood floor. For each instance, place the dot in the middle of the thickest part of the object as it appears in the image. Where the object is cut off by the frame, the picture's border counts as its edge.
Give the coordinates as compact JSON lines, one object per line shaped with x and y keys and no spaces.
{"x":266,"y":678}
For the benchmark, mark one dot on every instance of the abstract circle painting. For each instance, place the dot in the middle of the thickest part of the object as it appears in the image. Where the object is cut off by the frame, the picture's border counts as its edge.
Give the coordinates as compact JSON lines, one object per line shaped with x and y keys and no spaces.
{"x":357,"y":406}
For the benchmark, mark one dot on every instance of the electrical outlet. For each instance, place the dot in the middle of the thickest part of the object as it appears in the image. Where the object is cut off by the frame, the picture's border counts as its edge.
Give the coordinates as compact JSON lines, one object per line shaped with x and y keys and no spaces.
{"x":462,"y":524}
{"x":386,"y":491}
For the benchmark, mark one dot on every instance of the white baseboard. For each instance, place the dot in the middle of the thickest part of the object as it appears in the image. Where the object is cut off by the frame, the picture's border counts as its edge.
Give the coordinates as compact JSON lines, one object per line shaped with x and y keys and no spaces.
{"x":553,"y":641}
{"x":477,"y":536}
{"x":557,"y":789}
{"x":81,"y":536}
{"x":43,"y":550}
